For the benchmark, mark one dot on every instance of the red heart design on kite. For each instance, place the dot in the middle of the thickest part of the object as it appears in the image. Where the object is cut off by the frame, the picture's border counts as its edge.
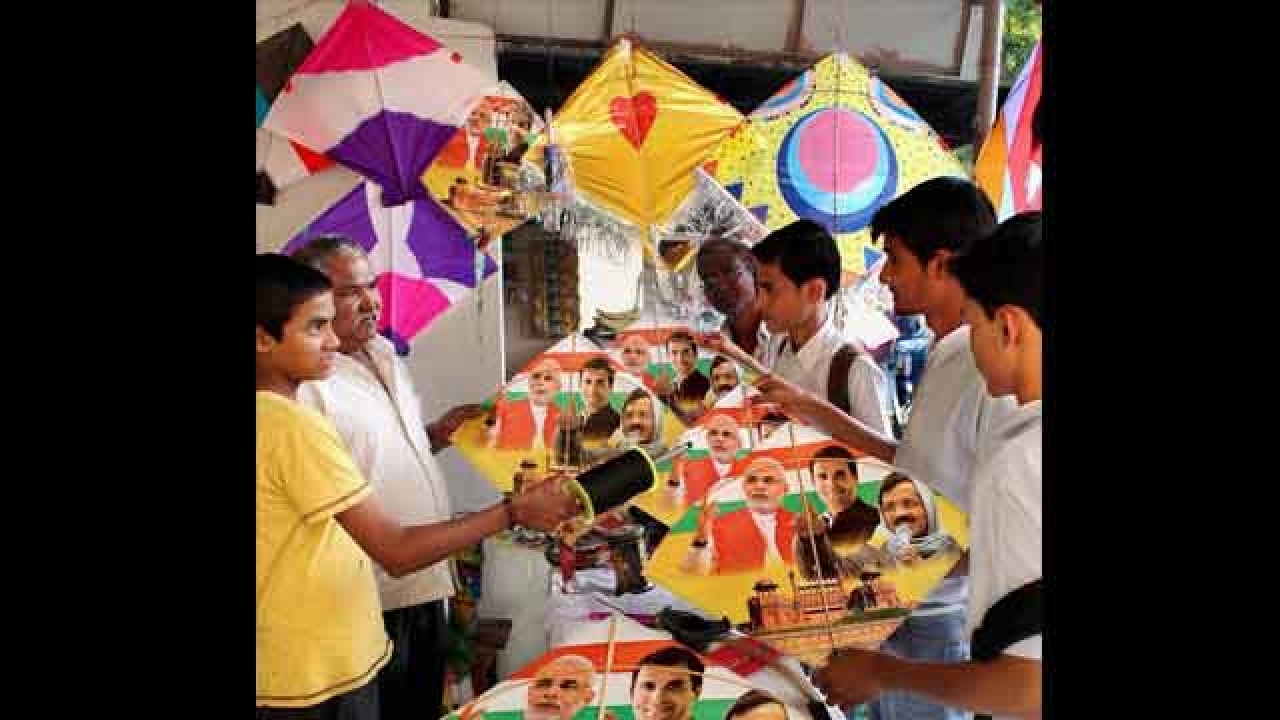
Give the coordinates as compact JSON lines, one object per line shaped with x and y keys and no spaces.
{"x":634,"y":116}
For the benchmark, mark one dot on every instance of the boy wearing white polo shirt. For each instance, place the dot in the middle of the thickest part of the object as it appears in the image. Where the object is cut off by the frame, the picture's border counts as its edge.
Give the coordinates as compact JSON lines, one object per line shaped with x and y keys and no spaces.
{"x":1002,"y":277}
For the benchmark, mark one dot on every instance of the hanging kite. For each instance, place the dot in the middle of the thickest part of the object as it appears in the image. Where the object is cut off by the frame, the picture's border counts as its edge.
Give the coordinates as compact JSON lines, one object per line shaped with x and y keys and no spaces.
{"x":633,"y":132}
{"x":832,"y":145}
{"x":477,"y":175}
{"x":1009,"y":166}
{"x":379,"y":97}
{"x":281,"y":162}
{"x":424,"y":261}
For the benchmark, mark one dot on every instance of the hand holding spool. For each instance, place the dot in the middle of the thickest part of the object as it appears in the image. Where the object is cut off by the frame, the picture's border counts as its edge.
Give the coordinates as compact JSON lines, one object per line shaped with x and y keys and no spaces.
{"x":606,"y":486}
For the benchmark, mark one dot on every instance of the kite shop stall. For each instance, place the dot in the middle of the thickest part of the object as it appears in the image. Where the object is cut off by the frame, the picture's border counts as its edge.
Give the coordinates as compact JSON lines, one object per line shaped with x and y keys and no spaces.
{"x":579,"y":226}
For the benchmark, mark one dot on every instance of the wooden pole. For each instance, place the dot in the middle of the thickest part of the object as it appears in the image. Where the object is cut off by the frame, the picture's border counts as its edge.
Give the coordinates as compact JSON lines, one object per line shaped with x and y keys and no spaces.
{"x":988,"y":71}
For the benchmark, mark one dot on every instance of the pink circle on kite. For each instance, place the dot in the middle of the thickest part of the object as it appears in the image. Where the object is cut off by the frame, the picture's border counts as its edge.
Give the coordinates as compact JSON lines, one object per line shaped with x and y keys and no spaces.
{"x":830,"y":130}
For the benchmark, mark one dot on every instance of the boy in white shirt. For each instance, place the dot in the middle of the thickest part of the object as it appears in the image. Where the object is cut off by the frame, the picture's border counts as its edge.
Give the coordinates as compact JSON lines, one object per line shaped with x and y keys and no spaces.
{"x":1002,"y":277}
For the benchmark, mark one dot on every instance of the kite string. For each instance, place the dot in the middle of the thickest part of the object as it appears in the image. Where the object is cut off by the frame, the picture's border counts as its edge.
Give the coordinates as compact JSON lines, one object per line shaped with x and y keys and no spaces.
{"x":608,"y":664}
{"x":382,"y":101}
{"x":813,"y":543}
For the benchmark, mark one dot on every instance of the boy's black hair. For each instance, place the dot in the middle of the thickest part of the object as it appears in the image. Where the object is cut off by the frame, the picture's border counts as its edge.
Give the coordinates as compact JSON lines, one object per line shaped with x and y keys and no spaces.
{"x":281,"y":285}
{"x":803,"y":250}
{"x":942,"y":213}
{"x":1006,"y":267}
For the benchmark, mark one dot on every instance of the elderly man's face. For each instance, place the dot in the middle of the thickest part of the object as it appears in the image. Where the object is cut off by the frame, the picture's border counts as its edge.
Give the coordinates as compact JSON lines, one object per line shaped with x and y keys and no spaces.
{"x":355,"y":298}
{"x":727,"y":282}
{"x":722,"y":438}
{"x":903,"y":504}
{"x":544,"y":383}
{"x":764,"y":485}
{"x":837,"y":485}
{"x":638,"y":422}
{"x":635,"y":354}
{"x":663,"y":693}
{"x":558,"y":691}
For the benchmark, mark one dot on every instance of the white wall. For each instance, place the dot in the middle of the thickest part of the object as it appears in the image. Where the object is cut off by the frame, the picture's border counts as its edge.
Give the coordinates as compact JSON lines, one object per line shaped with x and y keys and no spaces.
{"x":459,"y":358}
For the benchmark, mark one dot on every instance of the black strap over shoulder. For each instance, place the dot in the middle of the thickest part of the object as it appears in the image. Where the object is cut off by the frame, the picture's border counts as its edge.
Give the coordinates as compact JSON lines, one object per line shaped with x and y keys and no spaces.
{"x":838,"y":377}
{"x":1015,"y":617}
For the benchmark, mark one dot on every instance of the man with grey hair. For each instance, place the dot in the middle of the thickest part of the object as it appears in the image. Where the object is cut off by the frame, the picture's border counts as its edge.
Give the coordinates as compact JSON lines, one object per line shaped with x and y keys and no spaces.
{"x":371,"y":401}
{"x":361,"y":324}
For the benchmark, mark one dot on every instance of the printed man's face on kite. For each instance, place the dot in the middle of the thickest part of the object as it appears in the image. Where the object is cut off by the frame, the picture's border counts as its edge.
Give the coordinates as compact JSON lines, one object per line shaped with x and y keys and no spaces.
{"x":684,"y":355}
{"x":724,"y":378}
{"x":559,"y":690}
{"x":635,"y":354}
{"x":836,"y":483}
{"x":764,"y":711}
{"x":595,"y":388}
{"x":663,"y":693}
{"x":722,"y":438}
{"x":903,"y":505}
{"x":638,"y":422}
{"x":764,"y":484}
{"x":544,"y":382}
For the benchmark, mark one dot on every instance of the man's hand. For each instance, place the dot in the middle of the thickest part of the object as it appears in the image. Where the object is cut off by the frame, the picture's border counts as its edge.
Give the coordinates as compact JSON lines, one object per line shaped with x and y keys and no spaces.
{"x":721,"y":344}
{"x":441,"y":430}
{"x":791,"y":398}
{"x":908,"y":555}
{"x":852,"y":676}
{"x":545,"y":506}
{"x":706,"y":521}
{"x":663,"y":385}
{"x":814,"y":522}
{"x":471,"y":711}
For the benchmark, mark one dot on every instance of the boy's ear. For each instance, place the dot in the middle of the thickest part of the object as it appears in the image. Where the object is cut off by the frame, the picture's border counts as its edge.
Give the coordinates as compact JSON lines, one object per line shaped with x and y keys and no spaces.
{"x":1011,"y":324}
{"x":263,"y":340}
{"x":937,"y":265}
{"x":814,"y":290}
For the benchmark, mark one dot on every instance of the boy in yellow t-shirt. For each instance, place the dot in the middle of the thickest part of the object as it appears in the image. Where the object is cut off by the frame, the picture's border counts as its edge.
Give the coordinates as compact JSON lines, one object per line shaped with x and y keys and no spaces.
{"x":320,"y":635}
{"x":319,"y":628}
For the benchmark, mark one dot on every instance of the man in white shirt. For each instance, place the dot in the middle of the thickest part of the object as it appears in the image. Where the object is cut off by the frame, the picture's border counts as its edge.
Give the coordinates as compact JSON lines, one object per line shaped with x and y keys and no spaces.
{"x":728,"y":270}
{"x":1002,"y":275}
{"x":799,"y":273}
{"x":370,"y":400}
